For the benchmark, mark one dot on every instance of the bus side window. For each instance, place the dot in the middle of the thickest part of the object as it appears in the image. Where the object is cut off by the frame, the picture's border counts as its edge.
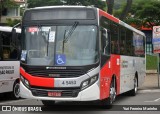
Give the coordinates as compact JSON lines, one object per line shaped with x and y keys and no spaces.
{"x":115,"y":38}
{"x":105,"y":41}
{"x":0,"y":47}
{"x":122,"y":41}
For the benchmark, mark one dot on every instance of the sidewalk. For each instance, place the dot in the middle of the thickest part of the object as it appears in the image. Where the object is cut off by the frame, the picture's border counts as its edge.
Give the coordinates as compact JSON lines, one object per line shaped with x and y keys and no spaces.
{"x":151,"y":82}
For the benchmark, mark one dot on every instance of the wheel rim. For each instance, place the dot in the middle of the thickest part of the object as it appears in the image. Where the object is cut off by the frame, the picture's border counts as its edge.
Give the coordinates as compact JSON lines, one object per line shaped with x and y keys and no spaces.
{"x":135,"y":85}
{"x":16,"y":90}
{"x":112,"y":93}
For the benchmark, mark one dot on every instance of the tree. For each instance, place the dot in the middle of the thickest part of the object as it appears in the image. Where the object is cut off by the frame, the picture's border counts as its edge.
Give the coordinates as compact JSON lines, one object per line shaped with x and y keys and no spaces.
{"x":38,"y":3}
{"x":110,"y":4}
{"x":122,"y":13}
{"x":126,"y":10}
{"x":4,"y":5}
{"x":1,"y":9}
{"x":12,"y":22}
{"x":144,"y":15}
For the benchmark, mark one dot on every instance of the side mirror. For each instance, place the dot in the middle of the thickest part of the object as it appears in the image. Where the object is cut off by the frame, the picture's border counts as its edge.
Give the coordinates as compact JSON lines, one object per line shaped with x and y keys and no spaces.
{"x":14,"y":36}
{"x":105,"y":41}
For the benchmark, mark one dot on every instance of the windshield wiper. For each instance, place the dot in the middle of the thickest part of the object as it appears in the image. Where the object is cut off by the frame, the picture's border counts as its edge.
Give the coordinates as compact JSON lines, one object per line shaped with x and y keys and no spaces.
{"x":66,"y":37}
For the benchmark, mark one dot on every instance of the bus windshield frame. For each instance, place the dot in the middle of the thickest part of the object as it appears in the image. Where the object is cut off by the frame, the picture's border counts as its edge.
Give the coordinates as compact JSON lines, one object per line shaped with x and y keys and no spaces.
{"x":61,"y":45}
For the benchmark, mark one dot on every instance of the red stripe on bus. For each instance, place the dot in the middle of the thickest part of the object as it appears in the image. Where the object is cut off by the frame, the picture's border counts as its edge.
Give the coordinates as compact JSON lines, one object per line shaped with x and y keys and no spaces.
{"x":105,"y":14}
{"x":37,"y":81}
{"x":112,"y":67}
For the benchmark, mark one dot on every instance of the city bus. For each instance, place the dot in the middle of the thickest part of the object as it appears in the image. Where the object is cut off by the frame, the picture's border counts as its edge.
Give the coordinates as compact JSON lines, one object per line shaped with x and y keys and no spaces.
{"x":9,"y":61}
{"x":79,"y":53}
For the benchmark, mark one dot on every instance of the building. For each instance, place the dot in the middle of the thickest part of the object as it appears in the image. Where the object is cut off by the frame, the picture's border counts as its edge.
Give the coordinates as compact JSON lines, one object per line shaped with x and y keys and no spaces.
{"x":149,"y":46}
{"x":148,"y":32}
{"x":12,"y":13}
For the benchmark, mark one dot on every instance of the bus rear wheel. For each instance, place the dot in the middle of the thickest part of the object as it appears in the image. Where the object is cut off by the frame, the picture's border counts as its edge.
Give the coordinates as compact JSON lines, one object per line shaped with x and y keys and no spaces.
{"x":48,"y":103}
{"x":133,"y":92}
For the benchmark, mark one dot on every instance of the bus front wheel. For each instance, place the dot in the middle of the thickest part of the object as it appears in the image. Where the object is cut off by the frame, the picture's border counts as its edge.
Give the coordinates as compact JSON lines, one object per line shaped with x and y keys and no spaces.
{"x":112,"y":95}
{"x":16,"y":91}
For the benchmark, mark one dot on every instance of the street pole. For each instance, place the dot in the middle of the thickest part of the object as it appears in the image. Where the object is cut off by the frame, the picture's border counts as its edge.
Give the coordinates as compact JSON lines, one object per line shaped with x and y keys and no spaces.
{"x":26,"y":4}
{"x":0,"y":10}
{"x":158,"y":67}
{"x":156,"y":46}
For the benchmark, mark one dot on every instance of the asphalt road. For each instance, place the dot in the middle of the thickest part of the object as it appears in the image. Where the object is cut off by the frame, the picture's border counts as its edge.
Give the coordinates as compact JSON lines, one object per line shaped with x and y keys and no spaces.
{"x":123,"y":104}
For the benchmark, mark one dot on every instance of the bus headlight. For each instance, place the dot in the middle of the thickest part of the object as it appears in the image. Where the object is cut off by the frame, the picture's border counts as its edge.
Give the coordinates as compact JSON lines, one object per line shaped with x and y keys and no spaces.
{"x":89,"y":82}
{"x":25,"y":81}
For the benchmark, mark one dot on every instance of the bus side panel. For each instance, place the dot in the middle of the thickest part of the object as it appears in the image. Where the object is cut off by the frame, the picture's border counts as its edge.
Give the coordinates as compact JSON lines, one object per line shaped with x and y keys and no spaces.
{"x":129,"y":67}
{"x":127,"y":73}
{"x":116,"y":70}
{"x":140,"y":67}
{"x":105,"y":75}
{"x":112,"y":67}
{"x":9,"y":72}
{"x":110,"y":17}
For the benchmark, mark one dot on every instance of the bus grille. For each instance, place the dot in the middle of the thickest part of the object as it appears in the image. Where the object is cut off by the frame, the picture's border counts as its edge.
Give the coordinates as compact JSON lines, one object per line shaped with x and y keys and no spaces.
{"x":58,"y":73}
{"x":64,"y":93}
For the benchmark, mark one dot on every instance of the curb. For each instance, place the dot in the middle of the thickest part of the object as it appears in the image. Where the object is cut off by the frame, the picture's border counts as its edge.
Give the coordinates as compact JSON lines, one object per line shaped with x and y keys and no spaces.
{"x":151,"y":71}
{"x":149,"y":91}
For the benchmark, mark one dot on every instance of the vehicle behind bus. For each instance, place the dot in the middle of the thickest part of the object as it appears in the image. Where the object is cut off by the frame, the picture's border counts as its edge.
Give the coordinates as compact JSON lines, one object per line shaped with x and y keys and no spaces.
{"x":9,"y":61}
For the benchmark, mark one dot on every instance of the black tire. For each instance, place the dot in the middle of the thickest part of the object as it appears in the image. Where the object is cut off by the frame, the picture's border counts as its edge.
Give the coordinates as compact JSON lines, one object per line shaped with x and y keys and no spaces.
{"x":108,"y":102}
{"x":48,"y":103}
{"x":133,"y":92}
{"x":16,"y":90}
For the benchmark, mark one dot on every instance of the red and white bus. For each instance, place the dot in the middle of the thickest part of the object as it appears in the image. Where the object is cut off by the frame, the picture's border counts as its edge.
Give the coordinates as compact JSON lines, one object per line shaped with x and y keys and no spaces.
{"x":78,"y":53}
{"x":9,"y":60}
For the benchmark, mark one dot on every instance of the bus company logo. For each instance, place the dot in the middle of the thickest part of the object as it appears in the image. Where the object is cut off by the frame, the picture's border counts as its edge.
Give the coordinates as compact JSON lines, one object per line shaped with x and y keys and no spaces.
{"x":55,"y":68}
{"x":124,"y":64}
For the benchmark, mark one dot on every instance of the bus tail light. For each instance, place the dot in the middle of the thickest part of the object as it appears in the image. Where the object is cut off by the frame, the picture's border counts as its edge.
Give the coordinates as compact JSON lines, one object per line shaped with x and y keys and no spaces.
{"x":89,"y":82}
{"x":25,"y":81}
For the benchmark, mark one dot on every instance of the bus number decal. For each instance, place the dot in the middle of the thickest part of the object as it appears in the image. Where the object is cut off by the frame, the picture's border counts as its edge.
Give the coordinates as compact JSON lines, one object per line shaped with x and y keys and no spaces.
{"x":69,"y":82}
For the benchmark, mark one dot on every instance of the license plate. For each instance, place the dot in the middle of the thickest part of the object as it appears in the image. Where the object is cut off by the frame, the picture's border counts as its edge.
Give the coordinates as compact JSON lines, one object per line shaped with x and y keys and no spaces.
{"x":54,"y":94}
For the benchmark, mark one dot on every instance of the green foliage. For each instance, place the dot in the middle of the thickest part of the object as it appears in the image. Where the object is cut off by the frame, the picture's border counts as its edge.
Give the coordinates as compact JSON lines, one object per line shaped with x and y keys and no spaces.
{"x":118,"y":4}
{"x":8,"y":4}
{"x":37,"y":3}
{"x":12,"y":22}
{"x":121,"y":8}
{"x":151,"y":62}
{"x":145,"y":12}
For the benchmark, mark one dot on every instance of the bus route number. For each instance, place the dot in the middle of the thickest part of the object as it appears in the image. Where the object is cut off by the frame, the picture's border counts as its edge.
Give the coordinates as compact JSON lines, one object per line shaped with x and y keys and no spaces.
{"x":72,"y":82}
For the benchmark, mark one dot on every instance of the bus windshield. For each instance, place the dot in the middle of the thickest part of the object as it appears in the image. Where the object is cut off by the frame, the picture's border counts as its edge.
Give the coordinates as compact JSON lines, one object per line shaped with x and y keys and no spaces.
{"x":61,"y":45}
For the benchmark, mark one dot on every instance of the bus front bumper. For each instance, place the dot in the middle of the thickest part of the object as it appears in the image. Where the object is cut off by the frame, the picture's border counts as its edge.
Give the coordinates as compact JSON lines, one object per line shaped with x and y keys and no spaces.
{"x":89,"y":94}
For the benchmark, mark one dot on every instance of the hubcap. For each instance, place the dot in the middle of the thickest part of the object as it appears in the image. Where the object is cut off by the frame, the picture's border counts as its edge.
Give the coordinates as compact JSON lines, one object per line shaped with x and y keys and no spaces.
{"x":16,"y":90}
{"x":112,"y":93}
{"x":135,"y":85}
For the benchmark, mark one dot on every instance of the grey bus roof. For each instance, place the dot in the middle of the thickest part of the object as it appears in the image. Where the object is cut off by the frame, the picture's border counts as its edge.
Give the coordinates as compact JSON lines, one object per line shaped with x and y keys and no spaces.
{"x":70,"y":6}
{"x":131,"y":28}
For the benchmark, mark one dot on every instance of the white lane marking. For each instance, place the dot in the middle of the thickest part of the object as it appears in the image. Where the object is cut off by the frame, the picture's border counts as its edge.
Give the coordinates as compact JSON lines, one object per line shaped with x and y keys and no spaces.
{"x":156,"y":100}
{"x":149,"y":91}
{"x":10,"y":102}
